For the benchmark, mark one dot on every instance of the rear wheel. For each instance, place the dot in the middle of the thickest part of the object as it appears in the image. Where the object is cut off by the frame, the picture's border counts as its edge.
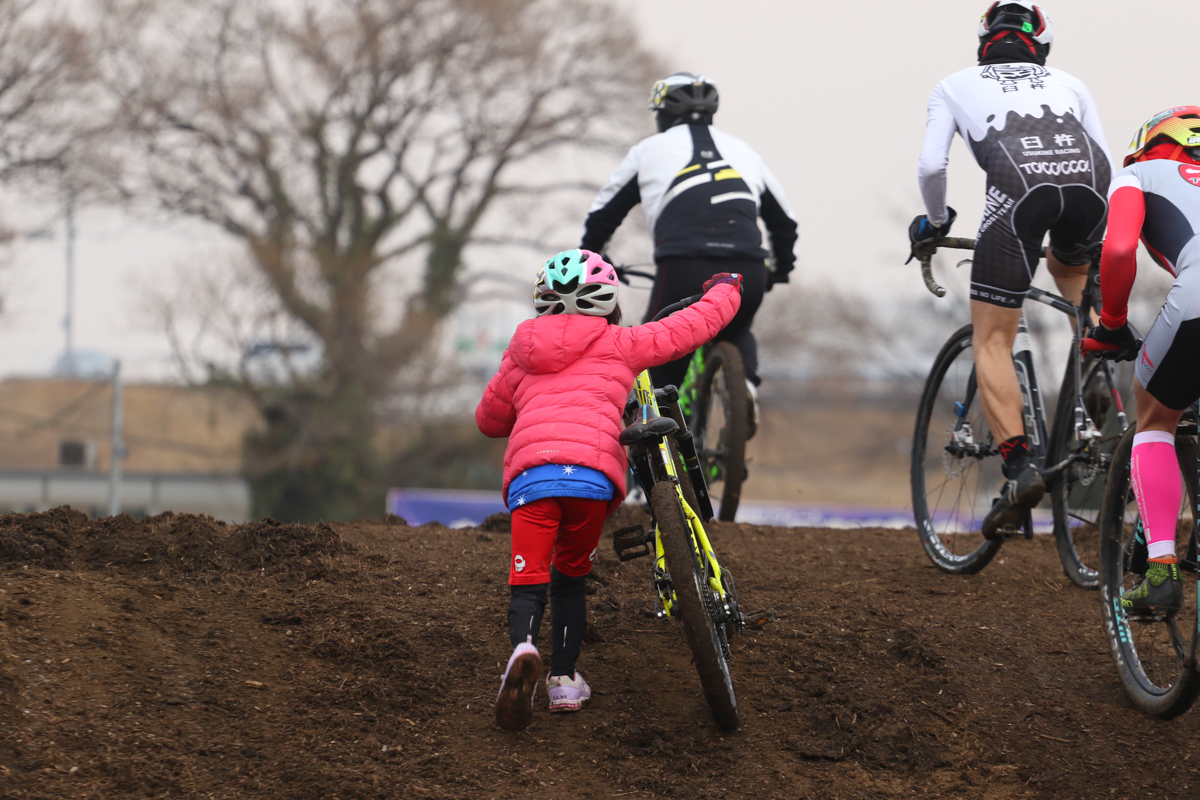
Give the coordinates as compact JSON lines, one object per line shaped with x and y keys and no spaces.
{"x":1078,"y":494}
{"x":695,"y":605}
{"x":720,"y":423}
{"x":956,"y":468}
{"x":1155,"y":658}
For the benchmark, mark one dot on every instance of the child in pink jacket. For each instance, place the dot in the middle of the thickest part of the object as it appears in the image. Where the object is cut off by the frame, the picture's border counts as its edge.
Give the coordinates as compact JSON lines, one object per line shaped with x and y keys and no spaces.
{"x":559,"y":396}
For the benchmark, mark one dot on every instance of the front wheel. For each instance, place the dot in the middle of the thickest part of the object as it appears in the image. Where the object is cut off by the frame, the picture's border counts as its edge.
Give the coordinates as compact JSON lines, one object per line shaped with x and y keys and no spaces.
{"x":956,"y":467}
{"x":720,"y":422}
{"x":1155,"y":658}
{"x":694,"y":604}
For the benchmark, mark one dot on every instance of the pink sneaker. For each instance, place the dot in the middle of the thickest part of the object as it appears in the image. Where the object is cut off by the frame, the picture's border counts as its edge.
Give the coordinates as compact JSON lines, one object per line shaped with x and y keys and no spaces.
{"x":567,"y":694}
{"x":518,"y":685}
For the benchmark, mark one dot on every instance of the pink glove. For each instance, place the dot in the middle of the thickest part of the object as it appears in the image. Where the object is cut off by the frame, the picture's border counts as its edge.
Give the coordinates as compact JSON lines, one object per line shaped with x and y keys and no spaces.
{"x":724,"y":277}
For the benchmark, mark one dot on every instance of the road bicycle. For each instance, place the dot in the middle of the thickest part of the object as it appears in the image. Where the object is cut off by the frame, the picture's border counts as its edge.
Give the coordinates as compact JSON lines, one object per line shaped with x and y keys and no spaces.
{"x":720,"y":414}
{"x":956,"y":464}
{"x":690,"y":584}
{"x":1155,"y":655}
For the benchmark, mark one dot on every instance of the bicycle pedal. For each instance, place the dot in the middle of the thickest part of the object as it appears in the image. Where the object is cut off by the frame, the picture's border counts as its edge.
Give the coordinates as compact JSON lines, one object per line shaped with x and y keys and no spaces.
{"x":760,"y":619}
{"x":632,"y":542}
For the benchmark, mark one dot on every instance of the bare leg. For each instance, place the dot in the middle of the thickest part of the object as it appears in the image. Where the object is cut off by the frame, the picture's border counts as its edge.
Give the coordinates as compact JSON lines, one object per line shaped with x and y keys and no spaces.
{"x":1070,"y":281}
{"x":999,"y":392}
{"x":1153,"y":415}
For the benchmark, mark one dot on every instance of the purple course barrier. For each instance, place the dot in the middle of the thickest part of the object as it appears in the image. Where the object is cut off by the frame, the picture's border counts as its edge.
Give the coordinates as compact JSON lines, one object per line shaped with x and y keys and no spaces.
{"x":460,"y":509}
{"x":452,"y":508}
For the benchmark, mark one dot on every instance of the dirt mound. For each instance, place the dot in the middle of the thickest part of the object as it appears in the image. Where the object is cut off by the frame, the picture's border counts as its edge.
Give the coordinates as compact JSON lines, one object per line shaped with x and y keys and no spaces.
{"x":170,"y":544}
{"x":179,"y":657}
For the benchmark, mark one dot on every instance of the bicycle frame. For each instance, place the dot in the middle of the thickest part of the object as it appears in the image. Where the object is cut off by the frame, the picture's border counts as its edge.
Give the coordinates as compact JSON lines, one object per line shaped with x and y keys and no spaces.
{"x":1033,"y":410}
{"x":663,"y":468}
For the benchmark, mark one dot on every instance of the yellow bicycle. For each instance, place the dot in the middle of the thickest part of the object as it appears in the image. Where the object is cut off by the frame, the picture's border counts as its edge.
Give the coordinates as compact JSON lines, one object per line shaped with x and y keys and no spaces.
{"x":691,"y":585}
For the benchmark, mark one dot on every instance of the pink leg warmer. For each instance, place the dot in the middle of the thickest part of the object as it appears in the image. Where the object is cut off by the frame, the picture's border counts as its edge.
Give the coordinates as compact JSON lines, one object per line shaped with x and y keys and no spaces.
{"x":1158,"y":487}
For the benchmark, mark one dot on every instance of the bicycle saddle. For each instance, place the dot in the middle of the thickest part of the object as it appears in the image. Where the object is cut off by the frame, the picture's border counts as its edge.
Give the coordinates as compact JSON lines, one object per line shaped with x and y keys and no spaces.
{"x":655,"y":428}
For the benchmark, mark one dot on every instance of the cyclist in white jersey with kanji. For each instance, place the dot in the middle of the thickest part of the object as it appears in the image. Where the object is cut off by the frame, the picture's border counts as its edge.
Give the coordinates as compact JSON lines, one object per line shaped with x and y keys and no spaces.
{"x":1035,"y":131}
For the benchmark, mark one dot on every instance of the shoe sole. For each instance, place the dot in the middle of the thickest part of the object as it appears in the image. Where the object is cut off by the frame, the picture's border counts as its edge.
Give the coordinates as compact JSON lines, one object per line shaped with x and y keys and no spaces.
{"x":1014,"y":515}
{"x":569,"y":705}
{"x":514,"y":705}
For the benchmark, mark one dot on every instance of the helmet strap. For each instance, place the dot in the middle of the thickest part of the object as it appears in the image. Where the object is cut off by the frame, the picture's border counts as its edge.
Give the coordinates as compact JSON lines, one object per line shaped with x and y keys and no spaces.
{"x":1007,"y":50}
{"x":1166,"y":151}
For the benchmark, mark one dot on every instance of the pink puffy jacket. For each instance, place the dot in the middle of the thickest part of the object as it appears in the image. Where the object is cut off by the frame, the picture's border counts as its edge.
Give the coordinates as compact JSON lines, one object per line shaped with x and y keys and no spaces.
{"x":564,"y":379}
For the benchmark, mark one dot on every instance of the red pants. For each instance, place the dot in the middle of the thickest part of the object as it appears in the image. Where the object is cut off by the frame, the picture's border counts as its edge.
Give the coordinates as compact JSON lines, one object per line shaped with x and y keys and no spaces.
{"x":564,"y":530}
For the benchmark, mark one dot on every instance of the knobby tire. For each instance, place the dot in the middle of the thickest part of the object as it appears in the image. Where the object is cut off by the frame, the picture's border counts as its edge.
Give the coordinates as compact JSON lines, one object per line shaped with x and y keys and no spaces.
{"x":688,"y":583}
{"x":724,"y":361}
{"x":1077,"y":507}
{"x":937,"y":543}
{"x":1171,"y":688}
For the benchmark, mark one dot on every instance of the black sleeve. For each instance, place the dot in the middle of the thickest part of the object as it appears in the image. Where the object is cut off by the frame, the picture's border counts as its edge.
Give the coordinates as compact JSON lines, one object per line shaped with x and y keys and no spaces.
{"x":783,"y":230}
{"x":602,"y":223}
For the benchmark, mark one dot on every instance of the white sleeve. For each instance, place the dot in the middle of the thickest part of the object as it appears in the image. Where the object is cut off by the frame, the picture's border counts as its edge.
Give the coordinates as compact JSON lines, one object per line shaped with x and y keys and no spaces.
{"x":1091,"y":124}
{"x":935,"y":155}
{"x":625,"y":172}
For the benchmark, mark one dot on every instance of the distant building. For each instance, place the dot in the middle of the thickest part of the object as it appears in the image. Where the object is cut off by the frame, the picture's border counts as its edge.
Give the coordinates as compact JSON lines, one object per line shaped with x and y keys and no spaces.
{"x":183,"y":447}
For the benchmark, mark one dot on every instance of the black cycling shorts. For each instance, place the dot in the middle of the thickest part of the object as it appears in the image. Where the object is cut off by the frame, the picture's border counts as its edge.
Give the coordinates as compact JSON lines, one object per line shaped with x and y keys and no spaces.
{"x":1009,"y":244}
{"x":1167,"y":364}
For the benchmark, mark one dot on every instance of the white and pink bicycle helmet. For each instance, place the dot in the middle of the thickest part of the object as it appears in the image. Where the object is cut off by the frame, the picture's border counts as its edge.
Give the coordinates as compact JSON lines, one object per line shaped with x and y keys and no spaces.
{"x":576,"y":282}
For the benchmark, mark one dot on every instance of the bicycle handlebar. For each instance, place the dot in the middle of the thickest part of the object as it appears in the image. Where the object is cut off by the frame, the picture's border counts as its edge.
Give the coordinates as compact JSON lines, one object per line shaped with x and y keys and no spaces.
{"x":682,"y":304}
{"x":624,"y":273}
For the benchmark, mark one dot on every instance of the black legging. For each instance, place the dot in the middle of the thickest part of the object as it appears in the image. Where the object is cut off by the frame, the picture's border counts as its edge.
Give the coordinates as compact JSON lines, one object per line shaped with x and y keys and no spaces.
{"x":678,"y":278}
{"x":568,"y":617}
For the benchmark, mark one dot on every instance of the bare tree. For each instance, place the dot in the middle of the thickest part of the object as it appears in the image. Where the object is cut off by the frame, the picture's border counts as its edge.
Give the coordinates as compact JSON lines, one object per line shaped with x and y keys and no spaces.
{"x":45,"y":78}
{"x":343,"y":140}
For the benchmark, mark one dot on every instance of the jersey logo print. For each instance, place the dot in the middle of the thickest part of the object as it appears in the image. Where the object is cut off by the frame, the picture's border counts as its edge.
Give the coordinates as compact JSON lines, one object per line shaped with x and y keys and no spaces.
{"x":1190,"y":174}
{"x":1013,"y":77}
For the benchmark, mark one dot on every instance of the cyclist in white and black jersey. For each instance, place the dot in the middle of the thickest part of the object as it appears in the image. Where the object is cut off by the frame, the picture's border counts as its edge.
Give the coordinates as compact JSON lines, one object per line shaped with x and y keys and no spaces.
{"x":1035,"y":131}
{"x":702,"y":192}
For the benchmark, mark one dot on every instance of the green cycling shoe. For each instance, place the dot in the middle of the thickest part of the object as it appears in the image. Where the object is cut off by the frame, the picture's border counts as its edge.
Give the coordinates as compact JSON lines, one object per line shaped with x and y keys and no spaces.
{"x":1161,"y":593}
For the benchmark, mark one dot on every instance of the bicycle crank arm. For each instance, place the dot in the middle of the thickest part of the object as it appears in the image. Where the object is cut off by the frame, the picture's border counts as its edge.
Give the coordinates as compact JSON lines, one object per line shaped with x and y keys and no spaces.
{"x":1050,"y":474}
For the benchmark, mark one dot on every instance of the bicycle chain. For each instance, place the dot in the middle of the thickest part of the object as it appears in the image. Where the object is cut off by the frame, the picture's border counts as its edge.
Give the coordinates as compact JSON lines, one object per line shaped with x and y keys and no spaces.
{"x":712,"y":608}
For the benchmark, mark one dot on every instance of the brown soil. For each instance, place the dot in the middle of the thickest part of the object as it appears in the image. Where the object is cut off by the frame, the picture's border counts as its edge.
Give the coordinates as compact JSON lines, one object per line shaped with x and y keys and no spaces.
{"x":178,"y":657}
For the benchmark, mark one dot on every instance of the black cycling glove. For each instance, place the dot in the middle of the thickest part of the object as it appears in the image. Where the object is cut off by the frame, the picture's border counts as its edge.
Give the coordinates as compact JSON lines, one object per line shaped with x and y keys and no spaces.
{"x":922,"y":230}
{"x":1117,"y":345}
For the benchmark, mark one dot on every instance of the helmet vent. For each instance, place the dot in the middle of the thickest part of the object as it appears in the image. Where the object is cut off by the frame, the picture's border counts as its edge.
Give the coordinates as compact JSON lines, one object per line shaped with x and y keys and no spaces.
{"x":568,"y":287}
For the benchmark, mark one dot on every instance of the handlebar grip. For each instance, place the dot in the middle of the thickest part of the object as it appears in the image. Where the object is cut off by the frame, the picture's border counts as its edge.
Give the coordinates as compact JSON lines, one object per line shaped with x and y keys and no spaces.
{"x":931,"y":284}
{"x":1089,"y":345}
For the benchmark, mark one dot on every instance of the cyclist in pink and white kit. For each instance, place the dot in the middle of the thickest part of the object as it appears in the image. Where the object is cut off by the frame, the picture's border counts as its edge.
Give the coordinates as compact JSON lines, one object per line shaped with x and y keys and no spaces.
{"x":1157,"y":198}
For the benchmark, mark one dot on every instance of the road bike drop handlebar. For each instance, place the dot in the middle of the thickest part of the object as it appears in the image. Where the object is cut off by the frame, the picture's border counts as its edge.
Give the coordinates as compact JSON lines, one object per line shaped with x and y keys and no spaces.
{"x":924,"y":253}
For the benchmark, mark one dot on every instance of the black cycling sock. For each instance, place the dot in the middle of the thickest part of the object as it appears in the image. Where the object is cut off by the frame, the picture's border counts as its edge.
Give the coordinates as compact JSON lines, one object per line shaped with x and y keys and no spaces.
{"x":1015,"y":452}
{"x":568,"y":616}
{"x":525,"y":609}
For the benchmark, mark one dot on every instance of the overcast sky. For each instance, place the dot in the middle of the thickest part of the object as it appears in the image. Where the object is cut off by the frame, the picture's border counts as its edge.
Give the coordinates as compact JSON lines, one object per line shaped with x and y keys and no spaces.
{"x":832,"y":95}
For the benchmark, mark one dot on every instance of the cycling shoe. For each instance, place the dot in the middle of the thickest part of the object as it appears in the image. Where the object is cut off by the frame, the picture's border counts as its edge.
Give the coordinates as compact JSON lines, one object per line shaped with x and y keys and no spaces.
{"x":1160,"y":594}
{"x":1017,"y":498}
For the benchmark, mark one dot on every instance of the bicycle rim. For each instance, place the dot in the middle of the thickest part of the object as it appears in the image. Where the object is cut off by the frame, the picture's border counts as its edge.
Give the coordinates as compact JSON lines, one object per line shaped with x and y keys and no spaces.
{"x":720,"y":423}
{"x":956,"y":470}
{"x":694,"y":605}
{"x":1155,"y":659}
{"x":1078,"y":495}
